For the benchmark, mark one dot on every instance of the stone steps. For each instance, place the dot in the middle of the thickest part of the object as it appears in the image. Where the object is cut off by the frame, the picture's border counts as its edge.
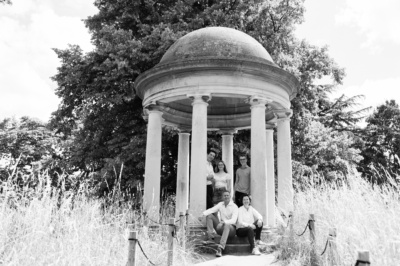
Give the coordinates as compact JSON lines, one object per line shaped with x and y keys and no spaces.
{"x":238,"y":245}
{"x":235,"y":245}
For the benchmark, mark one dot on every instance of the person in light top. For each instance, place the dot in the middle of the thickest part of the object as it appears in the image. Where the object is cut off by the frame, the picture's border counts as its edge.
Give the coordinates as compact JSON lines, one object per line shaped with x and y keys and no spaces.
{"x":226,"y":227}
{"x":210,"y":179}
{"x":249,"y":223}
{"x":222,"y":182}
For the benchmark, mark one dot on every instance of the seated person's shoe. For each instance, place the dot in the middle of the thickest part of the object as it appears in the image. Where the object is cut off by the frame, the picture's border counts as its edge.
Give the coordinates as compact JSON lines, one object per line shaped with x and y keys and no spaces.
{"x":259,"y":242}
{"x":255,"y":251}
{"x":219,"y":252}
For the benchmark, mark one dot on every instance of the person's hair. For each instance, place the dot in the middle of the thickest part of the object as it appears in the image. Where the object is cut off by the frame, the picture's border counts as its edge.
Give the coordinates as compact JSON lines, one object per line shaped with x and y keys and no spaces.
{"x":211,"y":150}
{"x":226,"y":191}
{"x":246,"y":196}
{"x":242,"y":156}
{"x":217,"y":169}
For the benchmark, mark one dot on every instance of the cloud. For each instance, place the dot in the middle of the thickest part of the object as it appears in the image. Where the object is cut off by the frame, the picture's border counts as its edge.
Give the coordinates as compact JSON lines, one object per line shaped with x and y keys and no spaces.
{"x":376,"y":91}
{"x":378,"y":21}
{"x":29,"y":30}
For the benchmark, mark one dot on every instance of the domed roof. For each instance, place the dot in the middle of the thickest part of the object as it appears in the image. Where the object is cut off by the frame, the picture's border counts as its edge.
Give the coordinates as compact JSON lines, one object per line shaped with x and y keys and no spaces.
{"x":216,"y":43}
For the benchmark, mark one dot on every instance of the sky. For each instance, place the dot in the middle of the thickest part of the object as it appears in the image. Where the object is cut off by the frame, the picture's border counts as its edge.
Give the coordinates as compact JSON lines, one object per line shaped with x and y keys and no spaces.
{"x":362,"y":36}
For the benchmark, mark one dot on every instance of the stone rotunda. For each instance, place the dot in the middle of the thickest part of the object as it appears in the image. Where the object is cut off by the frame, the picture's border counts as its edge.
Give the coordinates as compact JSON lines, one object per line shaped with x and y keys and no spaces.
{"x":223,"y":80}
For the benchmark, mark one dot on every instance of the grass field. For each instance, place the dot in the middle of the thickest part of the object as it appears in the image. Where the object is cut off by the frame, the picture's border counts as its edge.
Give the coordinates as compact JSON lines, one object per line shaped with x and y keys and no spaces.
{"x":366,"y":218}
{"x":37,"y":229}
{"x":43,"y":227}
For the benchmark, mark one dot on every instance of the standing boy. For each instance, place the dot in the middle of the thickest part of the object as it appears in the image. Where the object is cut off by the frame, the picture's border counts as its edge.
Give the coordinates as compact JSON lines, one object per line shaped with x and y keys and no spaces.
{"x":242,"y":183}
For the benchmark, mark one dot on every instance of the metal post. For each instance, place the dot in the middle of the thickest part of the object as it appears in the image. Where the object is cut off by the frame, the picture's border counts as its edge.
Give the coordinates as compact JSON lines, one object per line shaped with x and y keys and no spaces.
{"x":363,"y":258}
{"x":183,"y":229}
{"x":132,"y":238}
{"x":314,"y":257}
{"x":171,"y":241}
{"x":333,"y":256}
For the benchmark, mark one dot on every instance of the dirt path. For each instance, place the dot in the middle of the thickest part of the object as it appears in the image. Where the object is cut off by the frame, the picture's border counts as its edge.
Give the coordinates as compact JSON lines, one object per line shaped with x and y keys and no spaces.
{"x":240,"y":260}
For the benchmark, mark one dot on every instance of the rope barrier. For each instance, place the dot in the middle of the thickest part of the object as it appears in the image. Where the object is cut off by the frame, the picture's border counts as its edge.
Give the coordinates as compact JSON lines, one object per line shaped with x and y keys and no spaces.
{"x":326,"y":245}
{"x":137,"y":240}
{"x":305,"y":229}
{"x":151,"y":220}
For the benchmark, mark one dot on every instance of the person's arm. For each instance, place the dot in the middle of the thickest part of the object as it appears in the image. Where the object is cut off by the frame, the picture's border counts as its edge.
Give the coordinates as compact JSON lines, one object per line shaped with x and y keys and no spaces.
{"x":210,"y":171}
{"x":212,"y":210}
{"x":240,"y":218}
{"x":250,"y":180}
{"x":256,"y":214}
{"x":234,"y":218}
{"x":228,"y":183}
{"x":237,"y":180}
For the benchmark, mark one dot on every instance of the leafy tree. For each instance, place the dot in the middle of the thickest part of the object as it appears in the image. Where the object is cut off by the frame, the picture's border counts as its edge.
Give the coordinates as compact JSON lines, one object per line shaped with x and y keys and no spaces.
{"x":381,"y":150}
{"x":340,"y":114}
{"x":98,"y":106}
{"x":5,"y":2}
{"x":328,"y":154}
{"x":30,"y":146}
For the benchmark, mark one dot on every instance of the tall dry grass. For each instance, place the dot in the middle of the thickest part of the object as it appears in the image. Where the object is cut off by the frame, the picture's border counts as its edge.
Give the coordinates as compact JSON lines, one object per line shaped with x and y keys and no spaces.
{"x":43,"y":226}
{"x":367,"y":217}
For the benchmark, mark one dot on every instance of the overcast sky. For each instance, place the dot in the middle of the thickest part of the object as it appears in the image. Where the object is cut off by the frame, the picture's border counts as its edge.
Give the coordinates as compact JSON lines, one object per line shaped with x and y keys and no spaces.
{"x":362,"y":36}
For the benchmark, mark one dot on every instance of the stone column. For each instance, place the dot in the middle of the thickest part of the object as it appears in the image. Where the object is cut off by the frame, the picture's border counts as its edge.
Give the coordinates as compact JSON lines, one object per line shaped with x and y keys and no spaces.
{"x":198,"y":179}
{"x":285,"y":186}
{"x":151,"y":197}
{"x":227,"y":154}
{"x":182,"y":182}
{"x":258,"y":184}
{"x":270,"y":222}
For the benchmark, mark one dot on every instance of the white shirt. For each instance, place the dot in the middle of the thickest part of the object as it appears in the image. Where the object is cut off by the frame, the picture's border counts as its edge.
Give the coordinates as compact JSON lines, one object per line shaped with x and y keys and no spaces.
{"x":247,"y":217}
{"x":221,"y":180}
{"x":210,"y":170}
{"x":229,"y":214}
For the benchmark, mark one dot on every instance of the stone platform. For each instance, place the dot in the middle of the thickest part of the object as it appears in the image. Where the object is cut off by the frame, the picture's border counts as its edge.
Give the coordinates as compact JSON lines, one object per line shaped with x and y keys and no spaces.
{"x":234,"y":245}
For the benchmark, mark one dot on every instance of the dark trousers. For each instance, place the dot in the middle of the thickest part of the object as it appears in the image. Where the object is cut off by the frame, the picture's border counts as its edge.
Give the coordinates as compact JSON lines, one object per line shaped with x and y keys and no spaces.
{"x":249,"y":232}
{"x":238,"y":198}
{"x":210,"y":195}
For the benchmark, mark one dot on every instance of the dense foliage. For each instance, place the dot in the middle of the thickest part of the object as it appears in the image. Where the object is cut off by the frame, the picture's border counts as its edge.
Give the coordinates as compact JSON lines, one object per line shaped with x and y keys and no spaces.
{"x":381,"y":151}
{"x":99,"y":107}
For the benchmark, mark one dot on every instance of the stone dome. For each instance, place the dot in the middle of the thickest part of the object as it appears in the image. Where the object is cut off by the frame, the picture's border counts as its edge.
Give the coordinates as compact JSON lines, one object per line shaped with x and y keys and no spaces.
{"x":216,"y":43}
{"x":228,"y":68}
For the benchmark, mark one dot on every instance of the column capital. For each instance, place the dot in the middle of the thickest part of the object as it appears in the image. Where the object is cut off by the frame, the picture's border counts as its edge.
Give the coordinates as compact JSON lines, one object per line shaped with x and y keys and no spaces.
{"x":184,"y":130}
{"x":282,"y":115}
{"x":153,"y":109}
{"x":199,"y":98}
{"x":258,"y":101}
{"x":227,"y":131}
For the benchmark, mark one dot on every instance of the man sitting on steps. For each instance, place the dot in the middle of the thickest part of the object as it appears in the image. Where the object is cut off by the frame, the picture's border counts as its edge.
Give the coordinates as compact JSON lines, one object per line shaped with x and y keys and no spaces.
{"x":228,"y":212}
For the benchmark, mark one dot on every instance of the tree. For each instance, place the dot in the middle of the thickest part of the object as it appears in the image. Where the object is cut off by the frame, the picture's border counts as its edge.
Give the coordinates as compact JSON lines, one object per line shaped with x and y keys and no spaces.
{"x":98,"y":106}
{"x":5,"y":2}
{"x":381,"y":150}
{"x":30,"y":146}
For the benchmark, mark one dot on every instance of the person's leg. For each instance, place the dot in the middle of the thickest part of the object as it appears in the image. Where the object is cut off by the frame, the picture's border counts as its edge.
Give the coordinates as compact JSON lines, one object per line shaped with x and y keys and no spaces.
{"x":212,"y":222}
{"x":258,"y":230}
{"x":227,"y":231}
{"x":209,"y":200}
{"x":238,"y":198}
{"x":237,"y":195}
{"x":246,"y":232}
